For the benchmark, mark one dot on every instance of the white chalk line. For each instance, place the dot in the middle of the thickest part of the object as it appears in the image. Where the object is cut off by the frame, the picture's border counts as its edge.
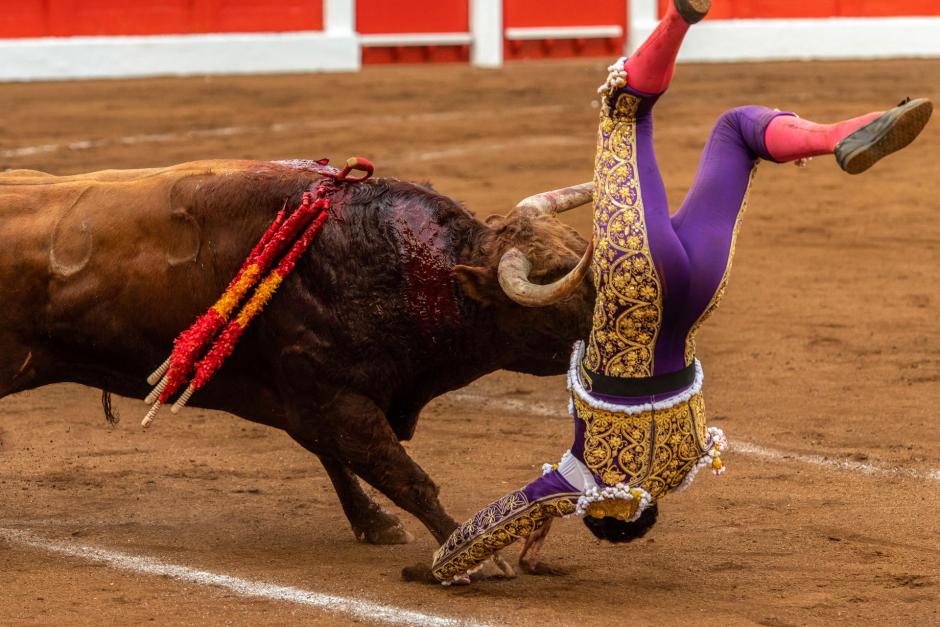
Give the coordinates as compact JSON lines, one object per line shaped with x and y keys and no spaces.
{"x":279,"y":127}
{"x":737,"y":446}
{"x":352,"y":607}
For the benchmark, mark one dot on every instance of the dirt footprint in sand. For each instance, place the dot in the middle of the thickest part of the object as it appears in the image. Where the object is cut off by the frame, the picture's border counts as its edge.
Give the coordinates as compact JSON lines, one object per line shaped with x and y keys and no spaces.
{"x":908,"y":581}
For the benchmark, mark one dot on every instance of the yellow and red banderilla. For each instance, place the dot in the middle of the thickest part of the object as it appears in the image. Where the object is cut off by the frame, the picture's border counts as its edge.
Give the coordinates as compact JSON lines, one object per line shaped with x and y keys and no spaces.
{"x":170,"y":377}
{"x":225,"y":344}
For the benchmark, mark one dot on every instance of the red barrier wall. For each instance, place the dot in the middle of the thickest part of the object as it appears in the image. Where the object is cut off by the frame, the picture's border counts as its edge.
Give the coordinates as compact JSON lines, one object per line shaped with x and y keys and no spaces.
{"x":58,"y":18}
{"x":536,"y":13}
{"x":750,"y":9}
{"x":52,"y":18}
{"x":413,"y":16}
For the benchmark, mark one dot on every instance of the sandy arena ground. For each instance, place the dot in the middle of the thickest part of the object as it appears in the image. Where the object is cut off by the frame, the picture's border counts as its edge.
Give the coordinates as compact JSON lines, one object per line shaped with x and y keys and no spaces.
{"x":823,"y":366}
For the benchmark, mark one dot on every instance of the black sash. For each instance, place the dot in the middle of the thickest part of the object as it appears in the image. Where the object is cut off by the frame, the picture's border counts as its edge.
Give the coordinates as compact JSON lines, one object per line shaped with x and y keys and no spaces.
{"x":640,"y":386}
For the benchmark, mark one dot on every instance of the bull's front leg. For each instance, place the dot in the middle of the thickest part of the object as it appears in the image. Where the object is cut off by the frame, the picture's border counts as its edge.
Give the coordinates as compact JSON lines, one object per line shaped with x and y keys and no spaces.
{"x":370,"y":523}
{"x":352,"y":430}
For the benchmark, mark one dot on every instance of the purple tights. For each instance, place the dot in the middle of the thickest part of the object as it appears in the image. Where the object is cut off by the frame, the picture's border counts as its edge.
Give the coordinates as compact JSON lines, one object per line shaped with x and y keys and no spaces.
{"x":645,"y":317}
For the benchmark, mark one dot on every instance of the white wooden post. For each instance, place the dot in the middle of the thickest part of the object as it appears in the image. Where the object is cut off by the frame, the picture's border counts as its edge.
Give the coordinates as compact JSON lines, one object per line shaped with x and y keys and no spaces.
{"x":486,"y":28}
{"x":339,"y":17}
{"x":642,"y":17}
{"x":339,"y":26}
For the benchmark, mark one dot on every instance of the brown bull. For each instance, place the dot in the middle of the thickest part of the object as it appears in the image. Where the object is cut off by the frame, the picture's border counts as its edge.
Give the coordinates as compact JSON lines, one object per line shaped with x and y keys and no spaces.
{"x":401,"y":298}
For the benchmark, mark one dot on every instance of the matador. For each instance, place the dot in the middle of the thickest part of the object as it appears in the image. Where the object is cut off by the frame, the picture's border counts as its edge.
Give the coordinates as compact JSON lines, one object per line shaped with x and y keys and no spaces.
{"x":635,"y":384}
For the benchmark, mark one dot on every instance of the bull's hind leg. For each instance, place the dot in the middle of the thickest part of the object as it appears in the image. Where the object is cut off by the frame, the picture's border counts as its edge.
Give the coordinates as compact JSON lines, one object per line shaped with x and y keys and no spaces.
{"x":354,"y":431}
{"x":370,"y":523}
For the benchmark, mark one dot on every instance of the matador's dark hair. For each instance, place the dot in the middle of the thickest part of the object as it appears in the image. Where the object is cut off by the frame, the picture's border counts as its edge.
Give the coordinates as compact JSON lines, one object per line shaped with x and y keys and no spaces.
{"x":615,"y":530}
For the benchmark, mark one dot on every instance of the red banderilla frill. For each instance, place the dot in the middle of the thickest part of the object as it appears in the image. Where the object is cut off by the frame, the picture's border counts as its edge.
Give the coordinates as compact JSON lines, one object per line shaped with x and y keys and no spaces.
{"x":190,"y":344}
{"x":224,"y":346}
{"x":170,"y":377}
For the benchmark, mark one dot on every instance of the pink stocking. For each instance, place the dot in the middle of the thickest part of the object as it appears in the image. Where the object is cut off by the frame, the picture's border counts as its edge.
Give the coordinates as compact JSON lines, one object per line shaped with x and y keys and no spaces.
{"x":788,"y":137}
{"x":650,"y":68}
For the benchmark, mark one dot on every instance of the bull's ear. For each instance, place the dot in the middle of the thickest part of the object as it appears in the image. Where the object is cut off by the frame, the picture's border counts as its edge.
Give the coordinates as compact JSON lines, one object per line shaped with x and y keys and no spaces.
{"x":478,"y":282}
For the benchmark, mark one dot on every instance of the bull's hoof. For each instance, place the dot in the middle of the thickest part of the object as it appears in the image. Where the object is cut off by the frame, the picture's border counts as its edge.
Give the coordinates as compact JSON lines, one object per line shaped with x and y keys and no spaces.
{"x":419,"y":573}
{"x":395,"y":533}
{"x":541,"y":569}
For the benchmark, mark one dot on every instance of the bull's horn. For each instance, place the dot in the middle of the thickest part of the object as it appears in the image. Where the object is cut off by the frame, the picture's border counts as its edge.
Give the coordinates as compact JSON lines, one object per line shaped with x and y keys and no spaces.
{"x":558,"y":200}
{"x":514,"y":268}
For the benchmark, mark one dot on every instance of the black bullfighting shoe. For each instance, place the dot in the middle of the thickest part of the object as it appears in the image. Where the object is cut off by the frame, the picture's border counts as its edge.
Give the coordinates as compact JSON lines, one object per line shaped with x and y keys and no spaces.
{"x":892,"y":130}
{"x":693,"y":11}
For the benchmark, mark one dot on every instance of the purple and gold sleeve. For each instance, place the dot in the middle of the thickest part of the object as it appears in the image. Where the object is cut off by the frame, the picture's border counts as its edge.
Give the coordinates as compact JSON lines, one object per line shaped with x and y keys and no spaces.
{"x":502,"y":522}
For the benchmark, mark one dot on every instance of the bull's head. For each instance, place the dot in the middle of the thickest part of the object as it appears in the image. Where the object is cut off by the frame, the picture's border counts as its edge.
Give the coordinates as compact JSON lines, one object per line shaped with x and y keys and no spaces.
{"x":529,"y":271}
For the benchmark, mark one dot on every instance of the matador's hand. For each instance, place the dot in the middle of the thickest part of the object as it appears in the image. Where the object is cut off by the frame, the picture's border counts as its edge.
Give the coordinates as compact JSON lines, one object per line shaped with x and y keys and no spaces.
{"x":496,"y":567}
{"x":532,"y":546}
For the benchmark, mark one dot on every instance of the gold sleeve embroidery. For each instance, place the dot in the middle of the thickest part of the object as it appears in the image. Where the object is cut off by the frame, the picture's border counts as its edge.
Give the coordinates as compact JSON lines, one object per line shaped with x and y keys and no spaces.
{"x":495,"y":527}
{"x":628,"y":308}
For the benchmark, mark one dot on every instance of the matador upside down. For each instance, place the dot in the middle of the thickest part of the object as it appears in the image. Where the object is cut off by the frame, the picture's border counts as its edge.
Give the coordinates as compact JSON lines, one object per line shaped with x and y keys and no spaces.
{"x":636,"y":387}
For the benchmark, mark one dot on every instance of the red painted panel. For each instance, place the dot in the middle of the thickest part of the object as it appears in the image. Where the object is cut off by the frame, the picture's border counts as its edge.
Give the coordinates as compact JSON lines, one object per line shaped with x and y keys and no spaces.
{"x":261,"y":16}
{"x":750,"y":9}
{"x":415,"y":54}
{"x":113,"y":17}
{"x":37,"y":18}
{"x":526,"y":13}
{"x":563,"y":48}
{"x":412,"y":16}
{"x":747,"y":9}
{"x":881,"y":8}
{"x":23,"y":18}
{"x":387,"y":17}
{"x":60,"y":18}
{"x":548,"y":13}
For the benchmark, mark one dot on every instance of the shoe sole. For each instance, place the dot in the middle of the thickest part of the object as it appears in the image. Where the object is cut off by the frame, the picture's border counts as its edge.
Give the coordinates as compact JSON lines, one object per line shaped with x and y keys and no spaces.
{"x":693,"y":11}
{"x":889,"y":133}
